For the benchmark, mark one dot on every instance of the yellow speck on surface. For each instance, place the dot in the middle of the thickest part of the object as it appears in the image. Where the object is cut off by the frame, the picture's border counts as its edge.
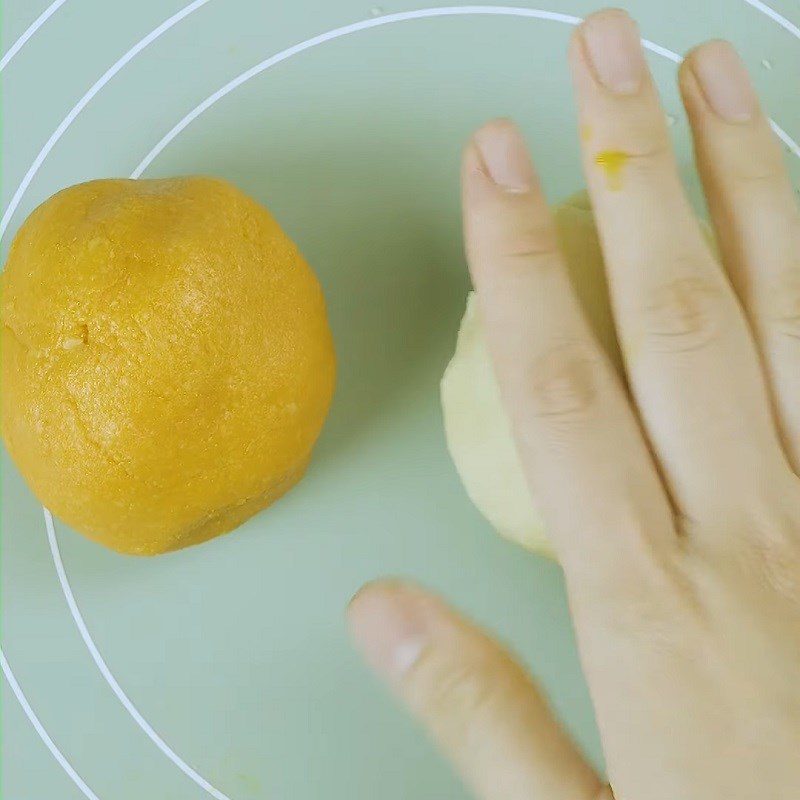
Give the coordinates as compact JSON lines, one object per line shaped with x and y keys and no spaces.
{"x":612,"y":162}
{"x":585,"y":132}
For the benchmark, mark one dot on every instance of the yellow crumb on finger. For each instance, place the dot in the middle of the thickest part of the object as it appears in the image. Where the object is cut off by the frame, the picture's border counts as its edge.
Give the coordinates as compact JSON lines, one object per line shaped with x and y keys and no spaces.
{"x":612,"y":163}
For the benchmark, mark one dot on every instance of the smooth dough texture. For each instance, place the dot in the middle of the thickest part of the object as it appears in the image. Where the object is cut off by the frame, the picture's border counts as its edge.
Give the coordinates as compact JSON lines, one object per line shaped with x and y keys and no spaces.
{"x":167,"y":360}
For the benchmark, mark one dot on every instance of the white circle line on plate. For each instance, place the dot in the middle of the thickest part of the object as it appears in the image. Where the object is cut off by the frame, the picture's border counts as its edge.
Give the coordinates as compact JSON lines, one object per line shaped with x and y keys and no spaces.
{"x":283,"y":55}
{"x":40,"y":729}
{"x":500,"y":10}
{"x":29,"y":31}
{"x":761,"y":7}
{"x":106,"y":672}
{"x":403,"y":16}
{"x":336,"y":33}
{"x":85,"y":100}
{"x":775,"y":16}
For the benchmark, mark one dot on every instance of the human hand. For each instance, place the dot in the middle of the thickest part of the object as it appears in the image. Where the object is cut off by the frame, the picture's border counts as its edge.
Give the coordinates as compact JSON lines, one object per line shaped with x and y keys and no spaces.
{"x":673,"y":501}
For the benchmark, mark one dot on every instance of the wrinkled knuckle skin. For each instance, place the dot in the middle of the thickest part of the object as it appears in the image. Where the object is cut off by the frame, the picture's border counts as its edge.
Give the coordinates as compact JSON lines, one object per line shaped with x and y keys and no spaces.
{"x":518,"y":251}
{"x":562,"y":384}
{"x":644,"y":143}
{"x":757,"y":164}
{"x":462,"y":698}
{"x":786,"y":305}
{"x":648,"y":153}
{"x":775,"y":546}
{"x":789,"y":326}
{"x":683,"y":315}
{"x":533,"y":242}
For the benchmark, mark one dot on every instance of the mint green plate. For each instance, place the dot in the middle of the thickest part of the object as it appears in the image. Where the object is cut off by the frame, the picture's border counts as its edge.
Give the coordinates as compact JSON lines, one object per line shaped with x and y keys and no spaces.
{"x":224,"y":671}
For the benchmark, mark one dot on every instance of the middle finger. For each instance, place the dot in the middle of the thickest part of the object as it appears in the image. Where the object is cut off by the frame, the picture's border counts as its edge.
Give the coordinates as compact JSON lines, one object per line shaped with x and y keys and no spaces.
{"x":690,"y":358}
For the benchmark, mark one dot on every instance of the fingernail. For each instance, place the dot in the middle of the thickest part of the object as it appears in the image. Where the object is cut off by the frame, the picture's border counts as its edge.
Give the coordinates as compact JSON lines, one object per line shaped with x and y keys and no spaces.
{"x":505,"y":156}
{"x":388,"y":626}
{"x":724,"y":81}
{"x":615,"y":50}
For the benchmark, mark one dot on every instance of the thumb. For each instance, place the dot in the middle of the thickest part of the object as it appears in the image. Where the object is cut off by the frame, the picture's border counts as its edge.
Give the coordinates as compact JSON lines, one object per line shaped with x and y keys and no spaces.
{"x":473,"y":697}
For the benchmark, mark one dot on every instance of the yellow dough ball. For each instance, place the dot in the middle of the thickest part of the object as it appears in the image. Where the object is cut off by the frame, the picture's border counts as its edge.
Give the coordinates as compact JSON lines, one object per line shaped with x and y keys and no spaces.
{"x":167,"y":361}
{"x":477,"y":428}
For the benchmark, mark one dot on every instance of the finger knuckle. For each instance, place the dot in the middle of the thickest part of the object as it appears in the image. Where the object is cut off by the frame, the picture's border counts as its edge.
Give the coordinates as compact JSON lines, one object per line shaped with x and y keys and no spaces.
{"x":563,"y":381}
{"x":530,"y":241}
{"x":648,"y":153}
{"x":786,"y":304}
{"x":517,"y":249}
{"x":643,"y":145}
{"x":773,"y":541}
{"x":660,"y":608}
{"x":789,"y":325}
{"x":464,"y":696}
{"x":683,"y":314}
{"x":751,"y":175}
{"x":761,"y":163}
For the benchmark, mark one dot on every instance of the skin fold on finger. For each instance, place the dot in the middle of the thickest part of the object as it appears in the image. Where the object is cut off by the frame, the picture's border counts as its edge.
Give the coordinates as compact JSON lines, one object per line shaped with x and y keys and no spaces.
{"x":579,"y":441}
{"x":476,"y":701}
{"x":690,"y":357}
{"x":755,"y":215}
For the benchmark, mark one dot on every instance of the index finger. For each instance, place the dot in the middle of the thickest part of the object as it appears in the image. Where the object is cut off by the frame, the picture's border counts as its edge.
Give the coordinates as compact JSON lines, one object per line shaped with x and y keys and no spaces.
{"x":578,"y":438}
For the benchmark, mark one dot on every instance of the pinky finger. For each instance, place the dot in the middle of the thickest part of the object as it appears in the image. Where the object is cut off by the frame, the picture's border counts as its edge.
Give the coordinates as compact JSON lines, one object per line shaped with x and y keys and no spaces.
{"x":471,"y":695}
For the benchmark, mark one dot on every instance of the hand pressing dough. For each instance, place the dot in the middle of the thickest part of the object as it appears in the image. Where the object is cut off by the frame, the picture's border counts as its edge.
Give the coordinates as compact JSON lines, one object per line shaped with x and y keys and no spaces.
{"x":167,"y":360}
{"x":476,"y":425}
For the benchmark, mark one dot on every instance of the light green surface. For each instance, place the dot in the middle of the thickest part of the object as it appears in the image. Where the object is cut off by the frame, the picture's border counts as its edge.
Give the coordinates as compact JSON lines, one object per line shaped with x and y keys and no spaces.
{"x":235,"y":652}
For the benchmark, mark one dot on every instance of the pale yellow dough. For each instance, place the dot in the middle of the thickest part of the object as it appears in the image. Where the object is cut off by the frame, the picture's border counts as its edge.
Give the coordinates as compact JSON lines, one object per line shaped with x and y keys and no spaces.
{"x":476,"y":425}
